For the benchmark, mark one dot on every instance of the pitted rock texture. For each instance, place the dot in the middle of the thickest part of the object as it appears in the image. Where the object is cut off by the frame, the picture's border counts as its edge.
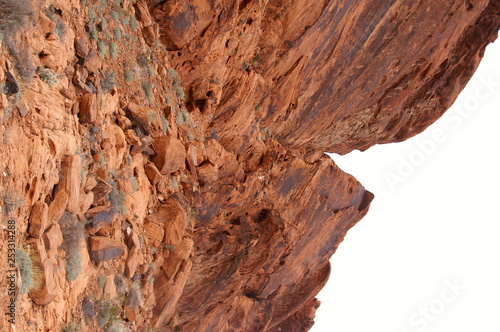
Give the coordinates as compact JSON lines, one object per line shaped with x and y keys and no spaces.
{"x":327,"y":75}
{"x":163,"y":161}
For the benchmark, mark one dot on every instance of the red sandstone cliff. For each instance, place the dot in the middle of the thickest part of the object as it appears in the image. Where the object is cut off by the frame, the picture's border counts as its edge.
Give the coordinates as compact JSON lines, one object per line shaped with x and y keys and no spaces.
{"x":164,"y":162}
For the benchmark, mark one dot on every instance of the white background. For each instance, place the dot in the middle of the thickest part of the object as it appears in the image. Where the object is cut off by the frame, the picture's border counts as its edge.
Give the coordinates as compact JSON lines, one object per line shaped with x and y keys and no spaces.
{"x":438,"y":226}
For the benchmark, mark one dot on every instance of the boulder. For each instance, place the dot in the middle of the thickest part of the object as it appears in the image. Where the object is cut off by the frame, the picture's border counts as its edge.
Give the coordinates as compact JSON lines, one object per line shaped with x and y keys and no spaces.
{"x":103,"y":248}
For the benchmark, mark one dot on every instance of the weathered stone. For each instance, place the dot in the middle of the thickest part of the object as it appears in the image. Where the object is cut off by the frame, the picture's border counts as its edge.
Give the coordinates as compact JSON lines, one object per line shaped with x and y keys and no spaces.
{"x":87,"y":201}
{"x":153,"y":230}
{"x":81,"y":48}
{"x":38,"y":219}
{"x":132,"y":138}
{"x":10,"y":87}
{"x":148,"y":119}
{"x":150,"y":34}
{"x":53,"y":239}
{"x":135,"y":257}
{"x":103,"y":248}
{"x":100,"y":217}
{"x":170,"y":154}
{"x":71,"y":180}
{"x":90,"y":183}
{"x":45,"y":288}
{"x":123,"y":122}
{"x":110,"y":287}
{"x":23,"y":109}
{"x":207,"y":173}
{"x":88,"y":108}
{"x":152,"y":173}
{"x":57,"y":207}
{"x":142,"y":12}
{"x":92,"y":62}
{"x":130,"y":313}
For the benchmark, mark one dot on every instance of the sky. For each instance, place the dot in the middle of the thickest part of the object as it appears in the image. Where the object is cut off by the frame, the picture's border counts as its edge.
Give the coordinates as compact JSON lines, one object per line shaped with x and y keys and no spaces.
{"x":426,"y":258}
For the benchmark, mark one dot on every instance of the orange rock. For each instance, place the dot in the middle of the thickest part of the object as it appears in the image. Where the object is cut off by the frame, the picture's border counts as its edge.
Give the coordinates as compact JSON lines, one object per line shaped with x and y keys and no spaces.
{"x":153,"y":230}
{"x":243,"y":208}
{"x":152,"y":173}
{"x":170,"y":154}
{"x":135,"y":257}
{"x":191,"y":158}
{"x":132,"y":138}
{"x":142,"y":12}
{"x":57,"y":207}
{"x":38,"y":219}
{"x":100,"y":217}
{"x":130,"y":313}
{"x":103,"y":248}
{"x":207,"y":173}
{"x":149,"y":120}
{"x":53,"y":239}
{"x":88,"y":108}
{"x":71,"y":181}
{"x":88,"y":200}
{"x":110,"y":287}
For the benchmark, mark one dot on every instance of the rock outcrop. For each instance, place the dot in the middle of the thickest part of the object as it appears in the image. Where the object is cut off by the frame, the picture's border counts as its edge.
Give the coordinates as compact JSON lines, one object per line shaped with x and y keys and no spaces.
{"x":164,"y":163}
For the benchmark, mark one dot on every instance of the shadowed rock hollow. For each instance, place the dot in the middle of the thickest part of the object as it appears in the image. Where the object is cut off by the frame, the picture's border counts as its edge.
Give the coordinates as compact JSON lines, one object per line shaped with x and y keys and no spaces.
{"x":184,"y":143}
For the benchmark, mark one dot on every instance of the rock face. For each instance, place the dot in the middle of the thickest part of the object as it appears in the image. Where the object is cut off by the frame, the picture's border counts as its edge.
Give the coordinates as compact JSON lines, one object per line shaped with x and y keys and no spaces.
{"x":326,"y":76}
{"x":179,"y":146}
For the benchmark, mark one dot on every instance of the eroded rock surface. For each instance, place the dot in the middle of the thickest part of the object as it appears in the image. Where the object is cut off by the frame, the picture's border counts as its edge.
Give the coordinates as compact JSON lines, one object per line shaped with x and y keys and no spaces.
{"x":164,"y":161}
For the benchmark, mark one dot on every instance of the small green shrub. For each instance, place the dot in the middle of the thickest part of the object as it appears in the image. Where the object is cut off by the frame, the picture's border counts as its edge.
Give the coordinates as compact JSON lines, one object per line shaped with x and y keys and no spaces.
{"x":14,"y":14}
{"x":116,"y":326}
{"x":147,"y":88}
{"x":73,"y":234}
{"x":151,"y":72}
{"x":115,"y":15}
{"x":135,"y":184}
{"x":27,"y":270}
{"x":133,"y":22}
{"x":73,"y":264}
{"x":108,"y":83}
{"x":164,"y":123}
{"x":179,"y":91}
{"x":47,"y":75}
{"x":185,"y":115}
{"x":93,"y":33}
{"x":11,"y":200}
{"x":113,"y":50}
{"x":107,"y":314}
{"x":174,"y":183}
{"x":117,"y":198}
{"x":91,"y":13}
{"x":128,"y":75}
{"x":102,"y":4}
{"x":173,"y":74}
{"x":102,"y":48}
{"x":179,"y":119}
{"x":104,"y":23}
{"x":72,"y":327}
{"x":144,"y":59}
{"x":125,"y":20}
{"x":117,"y":33}
{"x":101,"y":281}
